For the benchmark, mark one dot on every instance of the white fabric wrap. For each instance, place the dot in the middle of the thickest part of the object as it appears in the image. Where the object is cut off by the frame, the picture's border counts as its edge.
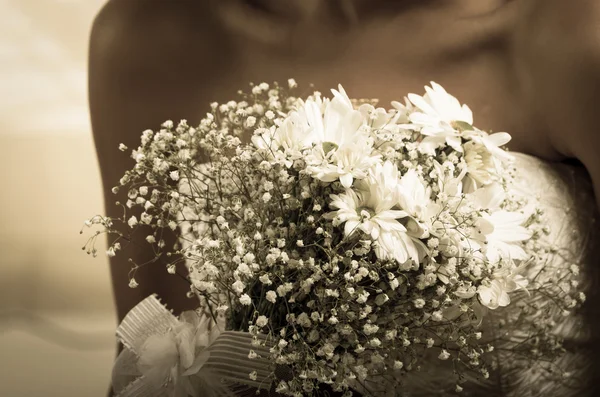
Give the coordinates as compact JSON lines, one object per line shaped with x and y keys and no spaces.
{"x":169,"y":357}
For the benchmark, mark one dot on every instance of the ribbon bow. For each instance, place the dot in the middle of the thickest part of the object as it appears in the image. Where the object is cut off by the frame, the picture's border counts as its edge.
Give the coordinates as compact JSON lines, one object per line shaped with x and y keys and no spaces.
{"x":169,"y":357}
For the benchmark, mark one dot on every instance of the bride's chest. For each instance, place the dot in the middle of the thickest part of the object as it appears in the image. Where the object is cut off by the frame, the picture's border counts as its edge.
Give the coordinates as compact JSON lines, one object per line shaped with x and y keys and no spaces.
{"x":377,"y":68}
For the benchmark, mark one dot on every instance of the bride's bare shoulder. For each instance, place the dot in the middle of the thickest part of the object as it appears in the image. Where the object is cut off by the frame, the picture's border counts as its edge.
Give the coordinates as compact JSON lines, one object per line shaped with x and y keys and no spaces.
{"x":152,"y":24}
{"x":143,"y":51}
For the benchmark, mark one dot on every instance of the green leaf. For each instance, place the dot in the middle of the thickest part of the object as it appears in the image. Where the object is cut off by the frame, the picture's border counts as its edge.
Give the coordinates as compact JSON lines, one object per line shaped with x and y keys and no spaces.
{"x":462,"y":126}
{"x":329,"y":146}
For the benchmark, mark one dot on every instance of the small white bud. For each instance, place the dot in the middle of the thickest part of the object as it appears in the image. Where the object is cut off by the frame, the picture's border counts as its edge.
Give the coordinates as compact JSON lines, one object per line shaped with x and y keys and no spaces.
{"x":245,"y":300}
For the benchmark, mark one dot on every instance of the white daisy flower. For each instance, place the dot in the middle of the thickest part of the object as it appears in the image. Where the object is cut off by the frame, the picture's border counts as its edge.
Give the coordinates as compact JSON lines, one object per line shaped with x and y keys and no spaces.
{"x":506,"y":279}
{"x":482,"y":167}
{"x":501,"y":232}
{"x":332,"y":123}
{"x":343,"y":150}
{"x":441,"y":118}
{"x":493,"y":295}
{"x":414,"y":198}
{"x":448,"y":184}
{"x":354,"y":211}
{"x":507,"y":233}
{"x":381,"y":119}
{"x":492,"y":142}
{"x":290,"y":138}
{"x":351,"y":161}
{"x":371,"y":209}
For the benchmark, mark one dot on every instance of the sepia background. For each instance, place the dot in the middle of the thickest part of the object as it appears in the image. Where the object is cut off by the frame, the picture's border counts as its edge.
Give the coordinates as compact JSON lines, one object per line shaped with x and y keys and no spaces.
{"x":56,"y":313}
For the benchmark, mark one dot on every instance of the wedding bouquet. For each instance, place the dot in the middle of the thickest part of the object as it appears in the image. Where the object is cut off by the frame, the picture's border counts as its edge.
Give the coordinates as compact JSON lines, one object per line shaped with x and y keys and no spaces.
{"x":332,"y":242}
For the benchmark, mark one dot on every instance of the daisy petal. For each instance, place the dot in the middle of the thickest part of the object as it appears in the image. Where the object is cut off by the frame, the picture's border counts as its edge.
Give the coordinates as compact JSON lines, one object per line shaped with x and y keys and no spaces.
{"x":346,"y":180}
{"x":499,"y":138}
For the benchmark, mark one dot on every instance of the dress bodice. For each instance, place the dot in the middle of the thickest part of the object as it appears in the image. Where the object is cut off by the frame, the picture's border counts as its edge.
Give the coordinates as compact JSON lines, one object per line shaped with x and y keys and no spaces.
{"x":564,"y":192}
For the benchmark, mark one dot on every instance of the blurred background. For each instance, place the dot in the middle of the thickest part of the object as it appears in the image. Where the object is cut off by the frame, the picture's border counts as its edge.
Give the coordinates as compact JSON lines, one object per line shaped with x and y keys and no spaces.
{"x":56,"y":313}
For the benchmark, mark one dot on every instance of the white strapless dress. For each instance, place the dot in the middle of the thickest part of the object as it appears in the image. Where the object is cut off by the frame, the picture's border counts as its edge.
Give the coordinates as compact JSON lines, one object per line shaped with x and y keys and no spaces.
{"x":566,"y":196}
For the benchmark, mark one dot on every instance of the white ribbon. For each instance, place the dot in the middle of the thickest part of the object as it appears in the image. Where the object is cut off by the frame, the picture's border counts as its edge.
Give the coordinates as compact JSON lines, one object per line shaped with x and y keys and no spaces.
{"x":169,"y":357}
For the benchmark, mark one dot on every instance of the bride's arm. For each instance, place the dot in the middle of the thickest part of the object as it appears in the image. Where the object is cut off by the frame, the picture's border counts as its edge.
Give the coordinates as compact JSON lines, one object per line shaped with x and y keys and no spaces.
{"x":561,"y":45}
{"x":585,"y":91}
{"x":149,"y":61}
{"x":580,"y":112}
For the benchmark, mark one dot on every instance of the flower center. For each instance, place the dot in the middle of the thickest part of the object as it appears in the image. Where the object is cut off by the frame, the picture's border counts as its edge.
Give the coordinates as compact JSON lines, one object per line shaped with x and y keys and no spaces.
{"x":461,"y":126}
{"x":329,"y":146}
{"x":365,"y":213}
